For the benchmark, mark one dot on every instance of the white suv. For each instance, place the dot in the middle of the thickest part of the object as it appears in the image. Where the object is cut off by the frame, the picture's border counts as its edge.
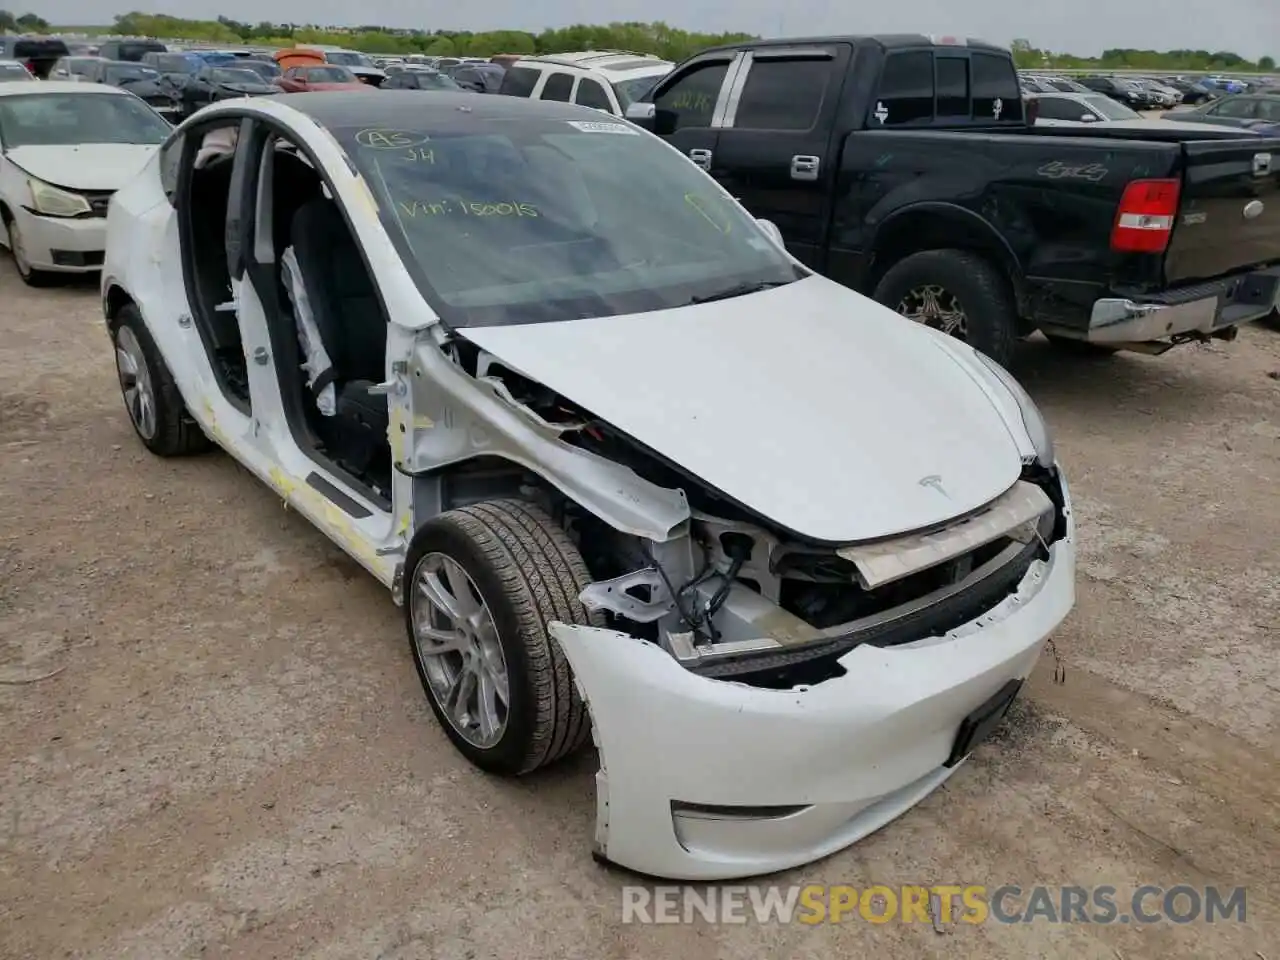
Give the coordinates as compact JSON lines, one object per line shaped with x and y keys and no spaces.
{"x":607,"y":80}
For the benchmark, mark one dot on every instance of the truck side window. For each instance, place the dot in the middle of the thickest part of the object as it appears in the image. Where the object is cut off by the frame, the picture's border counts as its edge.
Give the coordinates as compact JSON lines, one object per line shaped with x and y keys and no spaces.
{"x":518,"y":82}
{"x":782,"y":95}
{"x":906,"y":88}
{"x":996,"y":94}
{"x":591,"y":94}
{"x":953,"y":87}
{"x":558,"y":87}
{"x":692,"y":98}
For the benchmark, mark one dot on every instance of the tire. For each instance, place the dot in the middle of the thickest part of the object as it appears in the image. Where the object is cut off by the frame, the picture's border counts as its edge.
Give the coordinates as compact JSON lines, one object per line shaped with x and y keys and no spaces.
{"x":1081,"y":348}
{"x":30,"y":276}
{"x":526,"y":571}
{"x":169,"y":431}
{"x":970,"y":285}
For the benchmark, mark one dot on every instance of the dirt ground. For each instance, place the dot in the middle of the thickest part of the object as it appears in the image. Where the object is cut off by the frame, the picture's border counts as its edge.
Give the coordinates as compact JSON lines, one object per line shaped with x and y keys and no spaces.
{"x":236,"y":758}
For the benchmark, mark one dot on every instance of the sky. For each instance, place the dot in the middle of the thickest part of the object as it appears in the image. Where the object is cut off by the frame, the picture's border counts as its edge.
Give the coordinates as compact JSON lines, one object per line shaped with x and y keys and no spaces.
{"x":1250,"y":28}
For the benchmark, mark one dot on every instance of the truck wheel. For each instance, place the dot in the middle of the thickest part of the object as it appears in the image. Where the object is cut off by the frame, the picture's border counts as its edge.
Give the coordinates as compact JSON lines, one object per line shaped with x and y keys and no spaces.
{"x":957,"y":292}
{"x":159,"y":417}
{"x":484,"y":581}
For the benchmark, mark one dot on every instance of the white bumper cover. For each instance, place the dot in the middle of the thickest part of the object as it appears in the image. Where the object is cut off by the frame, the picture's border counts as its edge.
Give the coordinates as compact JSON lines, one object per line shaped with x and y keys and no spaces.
{"x":840,"y":758}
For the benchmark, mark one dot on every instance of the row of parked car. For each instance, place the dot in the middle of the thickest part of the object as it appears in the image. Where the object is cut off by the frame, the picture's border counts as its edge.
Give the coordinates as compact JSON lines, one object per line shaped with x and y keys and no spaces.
{"x":1144,"y":93}
{"x":1109,"y":101}
{"x":176,"y":83}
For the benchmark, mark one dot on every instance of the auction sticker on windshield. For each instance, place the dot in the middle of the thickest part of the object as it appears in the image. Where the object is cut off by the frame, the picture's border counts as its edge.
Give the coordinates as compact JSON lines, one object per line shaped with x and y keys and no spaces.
{"x":596,"y":126}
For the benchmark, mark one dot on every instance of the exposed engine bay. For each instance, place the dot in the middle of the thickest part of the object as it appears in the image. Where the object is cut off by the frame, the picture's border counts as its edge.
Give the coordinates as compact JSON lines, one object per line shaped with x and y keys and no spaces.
{"x":738,"y":597}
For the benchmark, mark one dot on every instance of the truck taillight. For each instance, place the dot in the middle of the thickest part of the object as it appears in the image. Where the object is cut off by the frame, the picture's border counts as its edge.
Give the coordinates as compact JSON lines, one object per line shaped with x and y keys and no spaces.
{"x":1145,"y":218}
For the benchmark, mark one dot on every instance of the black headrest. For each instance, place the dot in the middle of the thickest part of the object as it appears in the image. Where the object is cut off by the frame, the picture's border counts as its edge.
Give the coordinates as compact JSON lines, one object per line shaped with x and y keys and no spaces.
{"x":318,"y":223}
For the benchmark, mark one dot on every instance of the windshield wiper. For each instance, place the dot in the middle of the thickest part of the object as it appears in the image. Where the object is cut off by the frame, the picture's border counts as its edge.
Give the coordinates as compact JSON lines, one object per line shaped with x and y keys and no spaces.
{"x":739,"y":290}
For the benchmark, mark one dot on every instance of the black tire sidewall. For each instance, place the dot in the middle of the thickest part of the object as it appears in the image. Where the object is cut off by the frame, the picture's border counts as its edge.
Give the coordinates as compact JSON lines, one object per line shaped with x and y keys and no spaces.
{"x":167,"y":439}
{"x":508,"y":754}
{"x":983,"y":293}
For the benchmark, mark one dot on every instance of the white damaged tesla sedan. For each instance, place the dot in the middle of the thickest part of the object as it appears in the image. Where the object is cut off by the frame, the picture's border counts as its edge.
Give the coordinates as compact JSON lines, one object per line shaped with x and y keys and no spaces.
{"x":634,"y":473}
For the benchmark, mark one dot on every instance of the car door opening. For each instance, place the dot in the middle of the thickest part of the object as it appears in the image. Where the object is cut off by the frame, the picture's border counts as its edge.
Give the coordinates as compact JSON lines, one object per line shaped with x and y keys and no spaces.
{"x":203,"y":198}
{"x":328,"y":327}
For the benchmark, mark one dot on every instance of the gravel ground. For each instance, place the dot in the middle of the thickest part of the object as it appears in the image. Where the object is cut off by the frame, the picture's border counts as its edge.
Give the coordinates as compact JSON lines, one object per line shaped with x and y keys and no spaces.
{"x":235,"y":758}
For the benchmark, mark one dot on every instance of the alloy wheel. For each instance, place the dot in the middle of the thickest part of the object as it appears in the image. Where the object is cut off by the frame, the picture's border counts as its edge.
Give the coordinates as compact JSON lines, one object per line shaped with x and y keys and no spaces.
{"x":135,"y":383}
{"x":457,"y":642}
{"x":18,"y":248}
{"x":936,"y":307}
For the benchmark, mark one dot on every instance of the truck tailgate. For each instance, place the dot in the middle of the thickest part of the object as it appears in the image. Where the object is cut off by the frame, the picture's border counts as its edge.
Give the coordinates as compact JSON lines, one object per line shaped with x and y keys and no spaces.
{"x":1229,"y":213}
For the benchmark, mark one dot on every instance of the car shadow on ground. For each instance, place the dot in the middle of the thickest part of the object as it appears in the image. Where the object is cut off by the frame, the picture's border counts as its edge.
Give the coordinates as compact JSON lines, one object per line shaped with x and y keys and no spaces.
{"x":1107,"y":388}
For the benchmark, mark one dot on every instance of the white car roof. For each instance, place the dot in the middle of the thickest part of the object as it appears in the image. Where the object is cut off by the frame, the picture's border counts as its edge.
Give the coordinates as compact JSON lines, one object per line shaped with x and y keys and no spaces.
{"x":617,"y":65}
{"x":62,"y":86}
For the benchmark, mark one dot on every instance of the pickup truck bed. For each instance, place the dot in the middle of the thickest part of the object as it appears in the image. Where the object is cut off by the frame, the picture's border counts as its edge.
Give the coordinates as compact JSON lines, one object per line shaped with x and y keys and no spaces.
{"x":905,"y":167}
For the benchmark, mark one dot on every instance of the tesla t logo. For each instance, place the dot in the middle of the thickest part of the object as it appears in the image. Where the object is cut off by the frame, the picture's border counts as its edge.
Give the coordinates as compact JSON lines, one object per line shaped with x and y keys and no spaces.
{"x":934,"y":482}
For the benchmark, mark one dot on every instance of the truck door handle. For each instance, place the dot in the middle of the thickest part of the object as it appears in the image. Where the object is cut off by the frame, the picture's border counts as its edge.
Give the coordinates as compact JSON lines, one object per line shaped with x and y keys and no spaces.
{"x":804,"y":168}
{"x":701,"y":157}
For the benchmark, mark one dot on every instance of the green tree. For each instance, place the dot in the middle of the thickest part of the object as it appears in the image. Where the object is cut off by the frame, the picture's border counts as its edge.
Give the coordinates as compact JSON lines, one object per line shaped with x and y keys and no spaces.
{"x":8,"y":21}
{"x":31,"y":23}
{"x":440,"y":47}
{"x":1266,"y":64}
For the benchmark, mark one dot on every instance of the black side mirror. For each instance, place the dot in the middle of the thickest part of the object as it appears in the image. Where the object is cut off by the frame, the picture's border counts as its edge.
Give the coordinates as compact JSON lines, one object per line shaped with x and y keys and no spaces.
{"x":665,"y":122}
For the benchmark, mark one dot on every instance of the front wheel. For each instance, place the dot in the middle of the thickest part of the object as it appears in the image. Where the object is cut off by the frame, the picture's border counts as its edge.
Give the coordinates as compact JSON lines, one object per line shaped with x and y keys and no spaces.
{"x":484,"y":581}
{"x":18,"y":248}
{"x":958,"y":293}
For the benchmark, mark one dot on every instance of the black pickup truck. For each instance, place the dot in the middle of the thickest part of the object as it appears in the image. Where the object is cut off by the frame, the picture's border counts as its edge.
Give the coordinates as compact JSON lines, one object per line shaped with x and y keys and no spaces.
{"x":905,"y":167}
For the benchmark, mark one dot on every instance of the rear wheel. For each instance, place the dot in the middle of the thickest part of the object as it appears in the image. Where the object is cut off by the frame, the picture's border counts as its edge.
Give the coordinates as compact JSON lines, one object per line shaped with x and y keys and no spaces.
{"x":155,"y":407}
{"x":484,"y":581}
{"x":958,"y":293}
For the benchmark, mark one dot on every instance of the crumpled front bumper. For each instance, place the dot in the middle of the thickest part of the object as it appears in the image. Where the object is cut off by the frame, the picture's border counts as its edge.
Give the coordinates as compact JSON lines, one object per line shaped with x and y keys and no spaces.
{"x":811,"y":769}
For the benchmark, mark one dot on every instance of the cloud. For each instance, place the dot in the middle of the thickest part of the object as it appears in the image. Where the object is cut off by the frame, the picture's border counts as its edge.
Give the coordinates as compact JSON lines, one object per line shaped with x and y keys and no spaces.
{"x":1250,"y":28}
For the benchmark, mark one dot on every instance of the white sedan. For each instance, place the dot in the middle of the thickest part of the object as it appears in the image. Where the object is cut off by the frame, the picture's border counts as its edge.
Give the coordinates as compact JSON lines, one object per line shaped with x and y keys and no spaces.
{"x":65,"y":148}
{"x":633,"y":471}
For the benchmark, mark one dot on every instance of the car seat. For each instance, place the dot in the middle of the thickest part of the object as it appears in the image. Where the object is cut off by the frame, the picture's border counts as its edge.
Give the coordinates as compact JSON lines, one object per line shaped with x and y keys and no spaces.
{"x":348,"y":316}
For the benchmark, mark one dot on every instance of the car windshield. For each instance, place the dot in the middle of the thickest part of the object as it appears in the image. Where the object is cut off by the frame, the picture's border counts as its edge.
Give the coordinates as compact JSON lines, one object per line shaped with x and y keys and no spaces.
{"x":629,"y":91}
{"x":13,"y":71}
{"x":262,"y":68}
{"x":516,"y":221}
{"x":68,"y":119}
{"x":234,"y":75}
{"x":1112,"y":110}
{"x":330,"y":75}
{"x":347,"y":58}
{"x":177,"y":63}
{"x":122,"y":72}
{"x":431,"y":80}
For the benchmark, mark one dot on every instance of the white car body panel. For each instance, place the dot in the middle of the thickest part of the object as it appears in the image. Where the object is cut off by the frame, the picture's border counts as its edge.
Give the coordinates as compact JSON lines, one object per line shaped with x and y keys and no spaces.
{"x":90,"y":166}
{"x":743,"y":377}
{"x":860,"y":748}
{"x":857,"y":750}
